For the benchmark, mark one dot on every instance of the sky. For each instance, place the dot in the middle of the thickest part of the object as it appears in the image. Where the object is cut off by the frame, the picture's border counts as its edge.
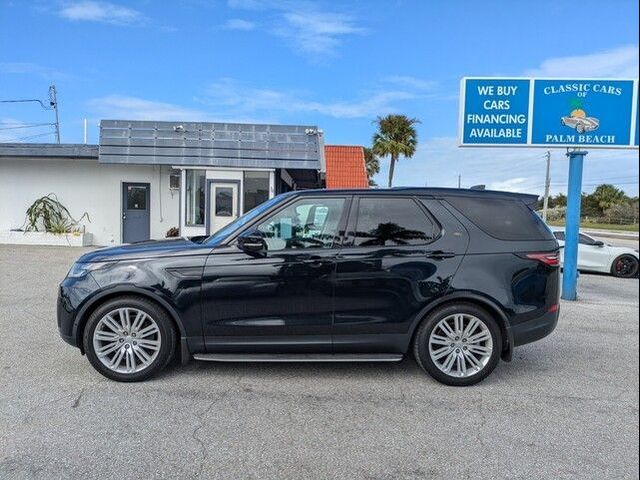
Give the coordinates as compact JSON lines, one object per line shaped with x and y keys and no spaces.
{"x":334,"y":64}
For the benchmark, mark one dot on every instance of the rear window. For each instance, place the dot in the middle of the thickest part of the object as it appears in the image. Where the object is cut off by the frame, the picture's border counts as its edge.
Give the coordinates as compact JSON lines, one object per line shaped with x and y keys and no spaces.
{"x":504,"y":219}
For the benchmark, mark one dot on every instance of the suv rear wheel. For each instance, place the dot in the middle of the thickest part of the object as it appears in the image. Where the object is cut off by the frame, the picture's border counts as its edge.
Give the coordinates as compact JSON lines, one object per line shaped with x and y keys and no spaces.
{"x":458,"y":344}
{"x":129,"y":339}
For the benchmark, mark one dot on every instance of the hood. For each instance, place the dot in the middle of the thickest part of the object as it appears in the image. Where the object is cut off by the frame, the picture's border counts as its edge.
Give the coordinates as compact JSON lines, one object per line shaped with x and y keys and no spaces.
{"x":147,"y":249}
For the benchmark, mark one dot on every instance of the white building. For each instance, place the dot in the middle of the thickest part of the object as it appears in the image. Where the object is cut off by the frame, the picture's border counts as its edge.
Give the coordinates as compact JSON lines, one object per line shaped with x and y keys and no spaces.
{"x":145,"y":178}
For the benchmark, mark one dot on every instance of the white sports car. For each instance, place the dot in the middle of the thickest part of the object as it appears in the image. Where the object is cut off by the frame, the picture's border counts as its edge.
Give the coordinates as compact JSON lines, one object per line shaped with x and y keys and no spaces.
{"x":581,"y":124}
{"x":597,"y":256}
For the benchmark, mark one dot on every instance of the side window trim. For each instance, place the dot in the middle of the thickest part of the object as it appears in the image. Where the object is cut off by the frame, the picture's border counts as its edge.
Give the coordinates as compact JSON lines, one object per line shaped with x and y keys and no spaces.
{"x":349,"y":241}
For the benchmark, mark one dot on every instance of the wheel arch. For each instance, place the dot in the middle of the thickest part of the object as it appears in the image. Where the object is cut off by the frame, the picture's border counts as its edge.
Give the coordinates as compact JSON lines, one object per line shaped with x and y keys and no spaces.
{"x":476,"y":299}
{"x":115,"y":292}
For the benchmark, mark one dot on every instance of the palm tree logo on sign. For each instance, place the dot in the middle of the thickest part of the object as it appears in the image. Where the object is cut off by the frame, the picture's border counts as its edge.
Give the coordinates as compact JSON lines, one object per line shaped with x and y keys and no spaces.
{"x":578,"y":118}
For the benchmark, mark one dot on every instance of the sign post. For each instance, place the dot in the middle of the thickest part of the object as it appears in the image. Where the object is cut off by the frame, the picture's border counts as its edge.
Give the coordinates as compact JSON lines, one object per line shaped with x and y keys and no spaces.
{"x":561,"y":113}
{"x":572,"y":225}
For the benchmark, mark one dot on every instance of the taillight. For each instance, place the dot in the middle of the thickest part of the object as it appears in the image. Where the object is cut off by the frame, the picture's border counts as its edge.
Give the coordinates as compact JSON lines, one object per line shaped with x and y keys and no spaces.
{"x":551,"y":259}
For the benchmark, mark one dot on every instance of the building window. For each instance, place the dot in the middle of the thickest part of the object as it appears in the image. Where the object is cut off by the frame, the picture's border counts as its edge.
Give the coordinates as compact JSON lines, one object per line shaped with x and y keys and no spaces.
{"x":256,"y":189}
{"x":224,"y":202}
{"x":174,"y":179}
{"x":195,"y":197}
{"x":136,"y":198}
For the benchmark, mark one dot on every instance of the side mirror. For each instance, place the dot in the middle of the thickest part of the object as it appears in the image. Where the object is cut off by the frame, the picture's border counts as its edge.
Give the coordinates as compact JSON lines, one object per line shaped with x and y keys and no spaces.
{"x":252,"y":243}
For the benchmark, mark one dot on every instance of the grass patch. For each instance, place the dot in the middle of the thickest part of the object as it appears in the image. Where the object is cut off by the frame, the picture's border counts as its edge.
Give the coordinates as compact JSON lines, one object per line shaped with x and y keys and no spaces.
{"x":601,"y":226}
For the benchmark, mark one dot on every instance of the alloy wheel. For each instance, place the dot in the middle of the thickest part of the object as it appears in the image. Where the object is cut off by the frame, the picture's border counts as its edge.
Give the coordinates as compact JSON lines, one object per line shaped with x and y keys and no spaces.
{"x":460,"y":345}
{"x":126,"y":340}
{"x":625,"y":266}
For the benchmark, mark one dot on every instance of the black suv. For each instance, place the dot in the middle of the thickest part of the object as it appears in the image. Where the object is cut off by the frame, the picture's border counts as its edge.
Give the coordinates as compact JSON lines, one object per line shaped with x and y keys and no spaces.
{"x":458,"y":278}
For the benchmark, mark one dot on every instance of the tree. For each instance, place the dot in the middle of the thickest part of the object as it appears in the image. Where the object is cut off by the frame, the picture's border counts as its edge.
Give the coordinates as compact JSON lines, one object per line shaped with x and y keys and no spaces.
{"x":606,"y":196}
{"x":372,"y":164}
{"x":396,"y":136}
{"x":560,"y":200}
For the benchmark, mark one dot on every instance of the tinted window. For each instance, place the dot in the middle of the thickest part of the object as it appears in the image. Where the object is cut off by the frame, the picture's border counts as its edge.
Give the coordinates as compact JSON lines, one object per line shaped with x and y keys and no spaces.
{"x":504,"y":219}
{"x":307,"y":223}
{"x":391,"y":221}
{"x":559,"y":236}
{"x":584,"y":240}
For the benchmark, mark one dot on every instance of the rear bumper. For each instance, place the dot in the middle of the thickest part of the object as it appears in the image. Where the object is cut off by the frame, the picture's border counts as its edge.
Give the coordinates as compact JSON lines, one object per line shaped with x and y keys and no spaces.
{"x":534,"y":329}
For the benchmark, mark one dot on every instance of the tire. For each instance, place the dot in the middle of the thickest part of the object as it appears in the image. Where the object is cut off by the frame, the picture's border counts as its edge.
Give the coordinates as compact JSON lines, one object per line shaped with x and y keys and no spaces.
{"x":625,"y":266}
{"x":491,"y":347}
{"x":145,"y":349}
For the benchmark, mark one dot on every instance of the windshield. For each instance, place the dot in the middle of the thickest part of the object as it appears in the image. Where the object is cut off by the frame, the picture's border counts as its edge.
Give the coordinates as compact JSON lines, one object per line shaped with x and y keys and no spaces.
{"x":239,"y":222}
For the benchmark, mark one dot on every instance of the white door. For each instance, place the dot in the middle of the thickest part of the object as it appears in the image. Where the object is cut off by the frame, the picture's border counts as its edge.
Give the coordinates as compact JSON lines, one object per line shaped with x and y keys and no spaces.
{"x":592,"y":256}
{"x":223,"y":204}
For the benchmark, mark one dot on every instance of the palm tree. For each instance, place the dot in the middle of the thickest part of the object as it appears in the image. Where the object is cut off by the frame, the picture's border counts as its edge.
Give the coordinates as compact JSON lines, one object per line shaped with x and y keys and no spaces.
{"x":372,"y":164}
{"x":396,"y":136}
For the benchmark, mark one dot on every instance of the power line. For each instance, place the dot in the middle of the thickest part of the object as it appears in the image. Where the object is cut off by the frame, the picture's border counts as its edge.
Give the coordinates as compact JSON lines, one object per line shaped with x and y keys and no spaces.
{"x":29,"y":125}
{"x":29,"y":137}
{"x":53,"y":105}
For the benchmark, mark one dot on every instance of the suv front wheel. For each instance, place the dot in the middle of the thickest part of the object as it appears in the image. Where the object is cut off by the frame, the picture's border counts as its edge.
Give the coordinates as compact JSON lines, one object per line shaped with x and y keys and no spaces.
{"x":458,"y":344}
{"x":129,"y":339}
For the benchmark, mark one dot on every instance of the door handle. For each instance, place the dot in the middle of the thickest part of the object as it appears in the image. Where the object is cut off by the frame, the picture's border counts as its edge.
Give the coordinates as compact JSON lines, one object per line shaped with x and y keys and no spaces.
{"x":440,"y":255}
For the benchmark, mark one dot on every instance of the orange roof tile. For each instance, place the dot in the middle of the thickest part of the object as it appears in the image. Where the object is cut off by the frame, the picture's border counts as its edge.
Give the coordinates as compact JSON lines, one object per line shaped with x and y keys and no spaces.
{"x":345,"y":167}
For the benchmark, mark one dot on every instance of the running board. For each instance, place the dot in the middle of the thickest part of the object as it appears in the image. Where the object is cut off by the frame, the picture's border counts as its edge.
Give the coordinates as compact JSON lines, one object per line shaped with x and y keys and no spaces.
{"x":300,"y":357}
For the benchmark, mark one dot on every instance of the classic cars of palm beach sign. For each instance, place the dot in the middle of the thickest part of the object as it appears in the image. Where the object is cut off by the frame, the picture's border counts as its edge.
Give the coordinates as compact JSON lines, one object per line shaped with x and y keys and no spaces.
{"x":593,"y":113}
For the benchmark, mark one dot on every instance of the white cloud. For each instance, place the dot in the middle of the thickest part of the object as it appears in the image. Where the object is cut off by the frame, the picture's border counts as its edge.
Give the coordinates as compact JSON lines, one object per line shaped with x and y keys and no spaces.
{"x":412,"y":82}
{"x":104,"y":12}
{"x":239,"y":24}
{"x":305,"y":27}
{"x":234,"y":96}
{"x":316,"y":32}
{"x":135,"y":108}
{"x":509,"y":185}
{"x":33,"y":69}
{"x":621,"y":62}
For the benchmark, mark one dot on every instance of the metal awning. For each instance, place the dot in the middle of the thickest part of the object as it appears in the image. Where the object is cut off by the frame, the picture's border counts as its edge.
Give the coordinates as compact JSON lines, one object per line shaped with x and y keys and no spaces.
{"x":232,"y":145}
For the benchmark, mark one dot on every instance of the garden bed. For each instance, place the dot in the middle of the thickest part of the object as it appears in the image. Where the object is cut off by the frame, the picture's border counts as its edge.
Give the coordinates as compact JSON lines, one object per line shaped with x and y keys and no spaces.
{"x":46,"y":238}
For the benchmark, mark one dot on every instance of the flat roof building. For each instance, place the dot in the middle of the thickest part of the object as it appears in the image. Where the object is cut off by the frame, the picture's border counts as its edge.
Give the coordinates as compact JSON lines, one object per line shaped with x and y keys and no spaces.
{"x":145,"y":178}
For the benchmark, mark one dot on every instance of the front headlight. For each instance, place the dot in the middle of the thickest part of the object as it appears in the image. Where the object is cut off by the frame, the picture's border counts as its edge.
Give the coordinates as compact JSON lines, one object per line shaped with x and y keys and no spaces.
{"x":79,"y":270}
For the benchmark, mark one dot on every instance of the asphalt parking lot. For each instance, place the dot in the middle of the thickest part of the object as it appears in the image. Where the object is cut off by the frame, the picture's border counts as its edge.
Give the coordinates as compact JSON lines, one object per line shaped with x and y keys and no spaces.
{"x":566,"y":407}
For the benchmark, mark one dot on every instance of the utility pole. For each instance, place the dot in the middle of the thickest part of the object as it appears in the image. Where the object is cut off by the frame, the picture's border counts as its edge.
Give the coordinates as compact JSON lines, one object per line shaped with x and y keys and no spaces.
{"x":547,"y":185}
{"x":459,"y":181}
{"x":53,"y":101}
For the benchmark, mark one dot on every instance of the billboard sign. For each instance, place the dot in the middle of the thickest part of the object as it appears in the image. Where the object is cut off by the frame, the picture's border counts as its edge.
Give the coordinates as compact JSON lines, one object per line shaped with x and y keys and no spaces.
{"x":511,"y":112}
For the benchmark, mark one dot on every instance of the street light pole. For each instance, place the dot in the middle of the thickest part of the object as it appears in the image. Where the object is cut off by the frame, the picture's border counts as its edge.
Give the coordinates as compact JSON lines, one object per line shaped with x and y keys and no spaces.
{"x":53,"y":100}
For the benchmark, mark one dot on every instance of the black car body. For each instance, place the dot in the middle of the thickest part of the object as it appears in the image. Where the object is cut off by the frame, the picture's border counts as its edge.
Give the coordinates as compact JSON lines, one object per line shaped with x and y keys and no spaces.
{"x":357,"y":289}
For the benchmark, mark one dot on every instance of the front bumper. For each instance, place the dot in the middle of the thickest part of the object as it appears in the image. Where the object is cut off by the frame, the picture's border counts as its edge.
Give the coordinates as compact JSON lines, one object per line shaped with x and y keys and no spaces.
{"x":534,"y":329}
{"x":72,"y":295}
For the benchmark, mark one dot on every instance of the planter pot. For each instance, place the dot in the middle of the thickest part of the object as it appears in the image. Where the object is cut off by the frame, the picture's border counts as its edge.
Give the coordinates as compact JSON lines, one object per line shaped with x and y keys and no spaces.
{"x":46,"y":238}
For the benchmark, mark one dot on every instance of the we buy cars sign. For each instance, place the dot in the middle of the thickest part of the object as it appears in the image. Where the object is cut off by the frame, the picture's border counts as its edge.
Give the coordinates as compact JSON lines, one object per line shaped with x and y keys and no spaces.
{"x":538,"y":112}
